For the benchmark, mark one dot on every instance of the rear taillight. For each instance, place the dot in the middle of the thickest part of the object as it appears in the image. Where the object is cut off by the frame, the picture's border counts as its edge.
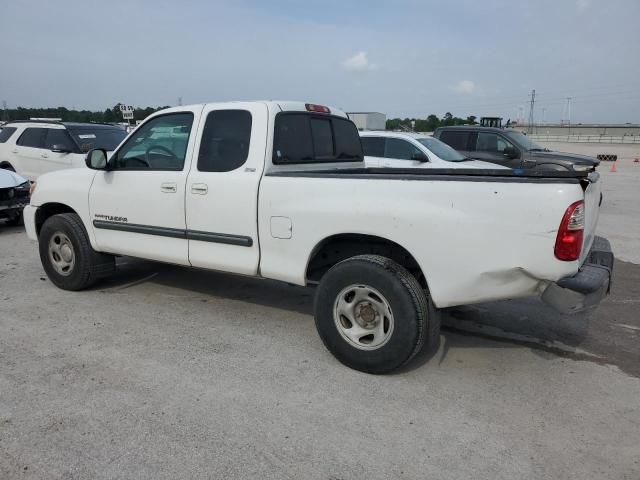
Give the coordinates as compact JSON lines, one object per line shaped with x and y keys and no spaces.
{"x":570,"y":233}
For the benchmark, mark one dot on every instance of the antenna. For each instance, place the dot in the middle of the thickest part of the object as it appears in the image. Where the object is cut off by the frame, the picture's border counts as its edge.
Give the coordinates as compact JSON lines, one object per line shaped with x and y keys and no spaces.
{"x":533,"y":101}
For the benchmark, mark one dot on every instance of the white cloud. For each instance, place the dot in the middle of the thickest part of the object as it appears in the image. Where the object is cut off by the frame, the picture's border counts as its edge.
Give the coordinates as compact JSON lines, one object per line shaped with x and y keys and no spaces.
{"x":359,"y":62}
{"x":464,"y":86}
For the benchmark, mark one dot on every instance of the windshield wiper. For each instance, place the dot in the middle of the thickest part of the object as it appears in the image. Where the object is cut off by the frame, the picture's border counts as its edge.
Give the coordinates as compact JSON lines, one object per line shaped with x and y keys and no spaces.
{"x":539,"y":150}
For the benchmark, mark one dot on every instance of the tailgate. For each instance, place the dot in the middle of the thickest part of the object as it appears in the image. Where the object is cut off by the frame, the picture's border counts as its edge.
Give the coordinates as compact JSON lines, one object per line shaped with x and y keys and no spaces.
{"x":592,"y":200}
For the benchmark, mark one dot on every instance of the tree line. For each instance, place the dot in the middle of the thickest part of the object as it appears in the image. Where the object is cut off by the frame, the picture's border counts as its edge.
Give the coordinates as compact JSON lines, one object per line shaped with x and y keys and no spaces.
{"x":430,"y":123}
{"x":109,"y":115}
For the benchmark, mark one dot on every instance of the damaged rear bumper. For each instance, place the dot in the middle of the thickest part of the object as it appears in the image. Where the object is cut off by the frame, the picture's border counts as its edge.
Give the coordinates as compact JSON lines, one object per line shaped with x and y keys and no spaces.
{"x":589,"y":286}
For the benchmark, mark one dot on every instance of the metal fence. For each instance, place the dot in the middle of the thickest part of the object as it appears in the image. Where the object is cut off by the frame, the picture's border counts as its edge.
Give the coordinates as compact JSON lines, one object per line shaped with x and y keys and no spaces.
{"x":631,"y":139}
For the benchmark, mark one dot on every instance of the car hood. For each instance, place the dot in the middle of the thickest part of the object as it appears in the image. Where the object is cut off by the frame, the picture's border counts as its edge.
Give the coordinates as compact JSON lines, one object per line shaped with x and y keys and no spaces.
{"x":9,"y":179}
{"x":568,"y":157}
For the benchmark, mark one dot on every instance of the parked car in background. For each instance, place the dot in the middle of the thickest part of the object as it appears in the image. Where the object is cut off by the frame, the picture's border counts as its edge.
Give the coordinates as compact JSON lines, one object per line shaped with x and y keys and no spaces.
{"x":14,"y":196}
{"x":510,"y":148}
{"x":413,"y":150}
{"x":32,"y":147}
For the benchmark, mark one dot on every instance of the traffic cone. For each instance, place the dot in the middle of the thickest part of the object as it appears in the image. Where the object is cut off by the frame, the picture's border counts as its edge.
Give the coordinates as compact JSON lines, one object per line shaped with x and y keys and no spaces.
{"x":613,"y":167}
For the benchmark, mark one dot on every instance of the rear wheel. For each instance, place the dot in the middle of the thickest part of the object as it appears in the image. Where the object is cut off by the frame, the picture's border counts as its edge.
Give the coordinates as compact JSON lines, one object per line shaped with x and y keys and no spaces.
{"x":67,"y":256}
{"x":373,"y":315}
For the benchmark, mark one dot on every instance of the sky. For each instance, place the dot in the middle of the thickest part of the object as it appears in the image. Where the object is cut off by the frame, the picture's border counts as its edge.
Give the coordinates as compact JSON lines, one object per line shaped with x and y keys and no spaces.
{"x":405,"y":58}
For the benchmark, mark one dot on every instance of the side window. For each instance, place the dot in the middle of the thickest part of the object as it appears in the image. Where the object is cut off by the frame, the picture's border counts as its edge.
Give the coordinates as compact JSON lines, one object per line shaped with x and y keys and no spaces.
{"x":5,"y":133}
{"x":456,"y":140}
{"x":159,"y":144}
{"x":399,"y":149}
{"x":491,"y":142}
{"x":373,"y":146}
{"x":292,"y":139}
{"x":225,"y":141}
{"x":32,"y":137}
{"x":60,"y":138}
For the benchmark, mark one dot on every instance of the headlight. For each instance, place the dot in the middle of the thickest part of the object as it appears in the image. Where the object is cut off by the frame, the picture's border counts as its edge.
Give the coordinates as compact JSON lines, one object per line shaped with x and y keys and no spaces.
{"x":582,"y":168}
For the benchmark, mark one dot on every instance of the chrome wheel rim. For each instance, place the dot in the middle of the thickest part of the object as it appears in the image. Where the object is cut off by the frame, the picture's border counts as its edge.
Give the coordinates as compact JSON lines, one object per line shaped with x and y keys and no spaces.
{"x":363,"y":317}
{"x":61,"y":254}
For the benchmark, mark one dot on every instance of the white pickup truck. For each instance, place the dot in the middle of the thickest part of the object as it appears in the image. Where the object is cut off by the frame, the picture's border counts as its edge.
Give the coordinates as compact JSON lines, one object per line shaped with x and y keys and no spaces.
{"x":279,"y":190}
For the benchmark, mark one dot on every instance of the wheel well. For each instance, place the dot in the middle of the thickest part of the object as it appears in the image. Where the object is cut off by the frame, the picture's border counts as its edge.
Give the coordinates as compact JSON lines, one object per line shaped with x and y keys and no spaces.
{"x":7,"y":165}
{"x":334,"y":249}
{"x":48,"y":210}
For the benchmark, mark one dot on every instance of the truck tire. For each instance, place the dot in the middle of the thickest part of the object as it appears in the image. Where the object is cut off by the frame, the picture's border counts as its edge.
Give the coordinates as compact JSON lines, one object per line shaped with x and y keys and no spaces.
{"x":67,"y":256}
{"x":373,"y":315}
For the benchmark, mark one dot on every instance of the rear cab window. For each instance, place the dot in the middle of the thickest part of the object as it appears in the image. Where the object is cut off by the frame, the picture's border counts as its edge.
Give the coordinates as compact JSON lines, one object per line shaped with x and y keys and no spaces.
{"x":5,"y":133}
{"x":313,"y":138}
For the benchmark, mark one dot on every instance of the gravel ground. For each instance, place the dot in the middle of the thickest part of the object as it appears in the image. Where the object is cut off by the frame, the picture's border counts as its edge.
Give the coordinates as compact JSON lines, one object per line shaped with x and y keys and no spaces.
{"x":165,"y":372}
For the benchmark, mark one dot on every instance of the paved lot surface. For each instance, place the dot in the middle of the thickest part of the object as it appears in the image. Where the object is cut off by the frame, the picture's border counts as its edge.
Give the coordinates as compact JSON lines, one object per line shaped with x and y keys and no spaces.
{"x":165,"y":372}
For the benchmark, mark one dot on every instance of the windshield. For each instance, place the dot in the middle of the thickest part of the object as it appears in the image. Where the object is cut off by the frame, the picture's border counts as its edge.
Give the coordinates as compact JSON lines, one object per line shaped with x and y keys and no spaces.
{"x":523,"y":141}
{"x":88,"y":138}
{"x":441,"y":149}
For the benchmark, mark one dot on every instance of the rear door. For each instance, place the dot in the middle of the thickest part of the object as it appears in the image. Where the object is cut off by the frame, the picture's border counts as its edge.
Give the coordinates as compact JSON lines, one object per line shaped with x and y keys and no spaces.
{"x":28,"y":152}
{"x":373,"y":149}
{"x":222,"y":188}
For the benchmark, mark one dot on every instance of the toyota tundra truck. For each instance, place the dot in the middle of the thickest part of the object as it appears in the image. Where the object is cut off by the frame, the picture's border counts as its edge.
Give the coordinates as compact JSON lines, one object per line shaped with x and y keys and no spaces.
{"x":279,"y":190}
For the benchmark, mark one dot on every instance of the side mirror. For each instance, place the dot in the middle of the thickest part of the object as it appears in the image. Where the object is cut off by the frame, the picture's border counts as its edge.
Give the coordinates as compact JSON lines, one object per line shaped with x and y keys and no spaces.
{"x":419,"y":157}
{"x":60,"y":148}
{"x":511,"y":152}
{"x":97,"y":159}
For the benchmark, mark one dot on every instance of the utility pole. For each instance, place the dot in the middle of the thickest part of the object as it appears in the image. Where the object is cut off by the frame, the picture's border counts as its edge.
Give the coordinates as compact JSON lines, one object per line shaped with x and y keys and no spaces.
{"x":567,"y":113}
{"x":533,"y":101}
{"x":5,"y":118}
{"x":544,"y":111}
{"x":180,"y":101}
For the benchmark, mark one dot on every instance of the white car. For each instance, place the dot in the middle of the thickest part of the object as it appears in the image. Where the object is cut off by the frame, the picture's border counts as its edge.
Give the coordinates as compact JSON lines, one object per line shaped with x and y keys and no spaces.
{"x":14,"y":196}
{"x":279,"y":190}
{"x":414,"y":150}
{"x":32,"y":147}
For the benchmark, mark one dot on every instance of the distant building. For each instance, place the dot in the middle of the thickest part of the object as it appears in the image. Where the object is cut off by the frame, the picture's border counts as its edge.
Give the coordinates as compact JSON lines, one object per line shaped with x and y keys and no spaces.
{"x":368,"y":120}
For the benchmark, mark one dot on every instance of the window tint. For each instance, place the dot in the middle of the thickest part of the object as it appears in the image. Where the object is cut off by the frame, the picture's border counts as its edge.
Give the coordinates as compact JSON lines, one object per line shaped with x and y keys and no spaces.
{"x":400,"y":149}
{"x":5,"y":133}
{"x":348,"y":145}
{"x":322,"y":138}
{"x":373,"y":146}
{"x":59,"y":137}
{"x":159,"y":144}
{"x":32,"y":137}
{"x":457,"y":140}
{"x":491,"y":142}
{"x":302,"y":137}
{"x":225,"y":141}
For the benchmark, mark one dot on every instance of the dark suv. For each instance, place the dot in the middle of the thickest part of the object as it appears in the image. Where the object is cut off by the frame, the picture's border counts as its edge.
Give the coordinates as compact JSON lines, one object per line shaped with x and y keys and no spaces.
{"x":510,"y":148}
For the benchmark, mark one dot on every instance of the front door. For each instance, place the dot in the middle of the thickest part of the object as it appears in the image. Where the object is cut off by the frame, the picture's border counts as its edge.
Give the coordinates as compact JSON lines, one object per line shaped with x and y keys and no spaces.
{"x":491,"y":147}
{"x":222,"y":188}
{"x":137,"y":207}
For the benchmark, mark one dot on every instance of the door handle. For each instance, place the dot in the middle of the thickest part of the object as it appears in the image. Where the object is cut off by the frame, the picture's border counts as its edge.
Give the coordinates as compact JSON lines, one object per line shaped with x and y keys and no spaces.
{"x":44,"y":155}
{"x":15,"y":150}
{"x":169,"y":188}
{"x":199,"y":188}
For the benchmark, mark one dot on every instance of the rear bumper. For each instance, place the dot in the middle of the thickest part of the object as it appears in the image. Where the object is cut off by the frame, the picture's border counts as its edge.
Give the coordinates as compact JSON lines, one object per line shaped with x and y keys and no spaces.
{"x":11,"y":208}
{"x":589,"y":286}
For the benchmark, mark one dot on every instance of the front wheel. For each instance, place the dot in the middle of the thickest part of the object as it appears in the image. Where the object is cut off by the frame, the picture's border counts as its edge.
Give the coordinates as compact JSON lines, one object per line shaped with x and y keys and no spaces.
{"x":67,"y":256}
{"x":373,"y":315}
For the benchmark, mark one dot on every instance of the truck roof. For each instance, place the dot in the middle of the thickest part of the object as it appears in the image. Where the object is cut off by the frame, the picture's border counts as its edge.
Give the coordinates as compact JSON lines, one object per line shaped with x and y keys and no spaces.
{"x":284,"y":105}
